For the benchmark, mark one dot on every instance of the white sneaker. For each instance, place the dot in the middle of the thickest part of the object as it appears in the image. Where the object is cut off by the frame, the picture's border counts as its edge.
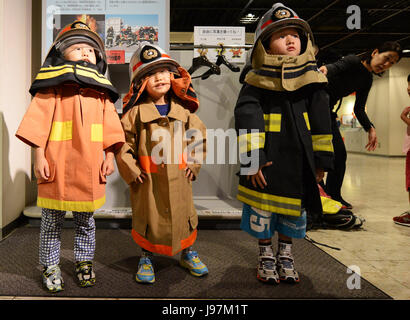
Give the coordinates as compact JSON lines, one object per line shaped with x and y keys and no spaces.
{"x":52,"y":279}
{"x":285,"y":264}
{"x":266,"y":269}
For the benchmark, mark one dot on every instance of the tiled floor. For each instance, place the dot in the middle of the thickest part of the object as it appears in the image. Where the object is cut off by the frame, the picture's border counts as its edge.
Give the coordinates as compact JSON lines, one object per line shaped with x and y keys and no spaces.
{"x":375,"y":187}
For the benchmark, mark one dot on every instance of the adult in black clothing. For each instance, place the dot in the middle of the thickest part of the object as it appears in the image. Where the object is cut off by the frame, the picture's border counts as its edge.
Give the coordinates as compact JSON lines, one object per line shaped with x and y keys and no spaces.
{"x":354,"y":74}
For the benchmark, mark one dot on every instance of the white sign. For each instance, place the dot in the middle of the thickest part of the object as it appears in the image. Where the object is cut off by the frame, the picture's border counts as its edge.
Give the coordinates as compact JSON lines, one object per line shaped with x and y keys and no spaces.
{"x":228,"y":41}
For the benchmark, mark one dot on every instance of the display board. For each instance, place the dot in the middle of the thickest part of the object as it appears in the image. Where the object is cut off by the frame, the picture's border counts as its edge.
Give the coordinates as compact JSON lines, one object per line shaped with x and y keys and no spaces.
{"x":120,"y":23}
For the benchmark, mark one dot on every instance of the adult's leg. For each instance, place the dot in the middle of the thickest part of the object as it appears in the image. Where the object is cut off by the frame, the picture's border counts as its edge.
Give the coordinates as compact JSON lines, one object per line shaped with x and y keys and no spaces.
{"x":334,"y":180}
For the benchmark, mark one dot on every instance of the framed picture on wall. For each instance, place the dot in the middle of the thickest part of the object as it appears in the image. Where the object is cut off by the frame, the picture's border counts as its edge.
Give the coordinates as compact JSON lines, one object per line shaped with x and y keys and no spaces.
{"x":121,"y":24}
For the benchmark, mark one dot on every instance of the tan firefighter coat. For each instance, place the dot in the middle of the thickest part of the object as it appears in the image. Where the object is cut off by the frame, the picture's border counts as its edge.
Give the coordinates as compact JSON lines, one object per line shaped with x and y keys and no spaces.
{"x":164,"y":218}
{"x":74,"y":125}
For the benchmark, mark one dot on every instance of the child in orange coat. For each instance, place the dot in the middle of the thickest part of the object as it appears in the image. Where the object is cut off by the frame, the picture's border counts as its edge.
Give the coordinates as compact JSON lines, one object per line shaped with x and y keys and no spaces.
{"x":70,"y":122}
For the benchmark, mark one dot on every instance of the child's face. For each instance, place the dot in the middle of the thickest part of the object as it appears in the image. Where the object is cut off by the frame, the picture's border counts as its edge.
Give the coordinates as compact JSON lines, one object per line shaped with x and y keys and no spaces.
{"x":80,"y":51}
{"x":159,"y":83}
{"x":285,"y":42}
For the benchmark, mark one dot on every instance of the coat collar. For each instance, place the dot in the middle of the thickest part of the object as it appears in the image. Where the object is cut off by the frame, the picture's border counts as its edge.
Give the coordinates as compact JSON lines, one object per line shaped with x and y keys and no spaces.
{"x":149,"y":113}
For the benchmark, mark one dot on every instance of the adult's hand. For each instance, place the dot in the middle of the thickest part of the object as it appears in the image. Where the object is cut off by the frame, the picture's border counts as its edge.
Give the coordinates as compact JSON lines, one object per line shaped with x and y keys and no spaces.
{"x":372,"y":144}
{"x":323,"y":69}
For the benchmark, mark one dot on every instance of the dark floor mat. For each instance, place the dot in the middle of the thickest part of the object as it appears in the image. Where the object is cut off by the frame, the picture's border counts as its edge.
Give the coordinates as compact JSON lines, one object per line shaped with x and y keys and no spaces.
{"x":231,"y":256}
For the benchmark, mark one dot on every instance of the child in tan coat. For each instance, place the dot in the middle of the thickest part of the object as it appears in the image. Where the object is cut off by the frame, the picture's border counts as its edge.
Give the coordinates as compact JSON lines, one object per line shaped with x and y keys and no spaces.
{"x":154,"y":161}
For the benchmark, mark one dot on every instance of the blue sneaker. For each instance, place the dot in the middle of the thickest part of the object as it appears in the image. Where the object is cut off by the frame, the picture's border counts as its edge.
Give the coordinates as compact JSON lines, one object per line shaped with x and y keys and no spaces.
{"x":145,"y":273}
{"x":192,"y":262}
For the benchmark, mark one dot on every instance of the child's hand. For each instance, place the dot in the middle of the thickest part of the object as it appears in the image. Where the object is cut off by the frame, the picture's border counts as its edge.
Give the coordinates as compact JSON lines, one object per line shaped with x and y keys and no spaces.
{"x":107,"y":167}
{"x":141,"y":177}
{"x":41,"y":167}
{"x":406,"y":111}
{"x":259,"y":178}
{"x":320,"y":173}
{"x":189,"y":174}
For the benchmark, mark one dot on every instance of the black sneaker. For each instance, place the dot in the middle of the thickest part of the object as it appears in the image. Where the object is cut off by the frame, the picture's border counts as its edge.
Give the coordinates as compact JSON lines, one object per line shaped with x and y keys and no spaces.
{"x":85,"y":273}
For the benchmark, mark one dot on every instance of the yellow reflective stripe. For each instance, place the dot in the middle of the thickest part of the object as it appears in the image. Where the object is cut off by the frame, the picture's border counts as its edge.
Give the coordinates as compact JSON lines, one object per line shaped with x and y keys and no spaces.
{"x":47,"y":73}
{"x":251,"y":141}
{"x":53,"y":74}
{"x":307,"y":120}
{"x":61,"y":131}
{"x":97,"y":132}
{"x":322,"y":142}
{"x":269,"y":202}
{"x":90,"y":73}
{"x":80,"y":206}
{"x":272,"y":122}
{"x":330,"y":206}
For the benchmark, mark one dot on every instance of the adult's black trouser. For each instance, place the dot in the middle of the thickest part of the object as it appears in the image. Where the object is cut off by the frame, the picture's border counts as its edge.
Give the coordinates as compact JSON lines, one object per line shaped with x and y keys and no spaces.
{"x":334,"y":180}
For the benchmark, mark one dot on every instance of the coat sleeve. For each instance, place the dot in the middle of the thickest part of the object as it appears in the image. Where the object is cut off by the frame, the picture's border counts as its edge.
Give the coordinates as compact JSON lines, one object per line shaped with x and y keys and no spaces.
{"x":127,"y":155}
{"x":320,"y":126}
{"x":250,"y":127}
{"x":37,"y":122}
{"x":112,"y":130}
{"x":359,"y":108}
{"x":342,"y":65}
{"x":197,"y":144}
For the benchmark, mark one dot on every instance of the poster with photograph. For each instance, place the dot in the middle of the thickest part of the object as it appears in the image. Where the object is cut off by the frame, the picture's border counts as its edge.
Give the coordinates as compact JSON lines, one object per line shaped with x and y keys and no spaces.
{"x":225,"y":39}
{"x":120,"y":23}
{"x":124,"y":32}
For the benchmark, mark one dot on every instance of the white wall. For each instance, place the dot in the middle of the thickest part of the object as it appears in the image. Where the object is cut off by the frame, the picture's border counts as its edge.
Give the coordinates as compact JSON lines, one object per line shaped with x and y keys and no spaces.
{"x":15,"y":79}
{"x":387,"y":98}
{"x":399,"y":99}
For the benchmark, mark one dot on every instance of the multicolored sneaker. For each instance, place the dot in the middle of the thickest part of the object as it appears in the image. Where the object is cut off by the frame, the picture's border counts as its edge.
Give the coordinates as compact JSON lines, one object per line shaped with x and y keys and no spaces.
{"x":52,"y":279}
{"x":285,"y":266}
{"x":85,"y":273}
{"x":403,"y":219}
{"x":191,"y":261}
{"x":266,"y":270}
{"x":145,"y":273}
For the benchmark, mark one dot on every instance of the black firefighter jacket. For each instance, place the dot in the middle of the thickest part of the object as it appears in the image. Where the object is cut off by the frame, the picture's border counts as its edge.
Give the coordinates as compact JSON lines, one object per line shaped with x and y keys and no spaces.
{"x":291,"y":129}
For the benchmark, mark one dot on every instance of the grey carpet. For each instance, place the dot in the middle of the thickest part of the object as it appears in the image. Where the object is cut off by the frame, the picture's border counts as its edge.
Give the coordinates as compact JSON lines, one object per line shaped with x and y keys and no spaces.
{"x":230,"y":255}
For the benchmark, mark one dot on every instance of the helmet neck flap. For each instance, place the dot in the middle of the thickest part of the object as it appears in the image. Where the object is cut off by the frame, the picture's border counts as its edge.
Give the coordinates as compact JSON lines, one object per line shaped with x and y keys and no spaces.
{"x":56,"y":70}
{"x":282,"y":72}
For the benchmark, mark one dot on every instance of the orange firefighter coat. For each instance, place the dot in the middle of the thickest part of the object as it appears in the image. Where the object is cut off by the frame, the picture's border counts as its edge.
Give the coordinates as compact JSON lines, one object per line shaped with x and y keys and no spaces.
{"x":74,"y":125}
{"x":164,"y":219}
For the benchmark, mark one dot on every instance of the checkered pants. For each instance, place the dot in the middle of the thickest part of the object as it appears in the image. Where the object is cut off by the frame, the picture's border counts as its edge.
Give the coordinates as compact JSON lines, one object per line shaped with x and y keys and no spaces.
{"x":50,"y":236}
